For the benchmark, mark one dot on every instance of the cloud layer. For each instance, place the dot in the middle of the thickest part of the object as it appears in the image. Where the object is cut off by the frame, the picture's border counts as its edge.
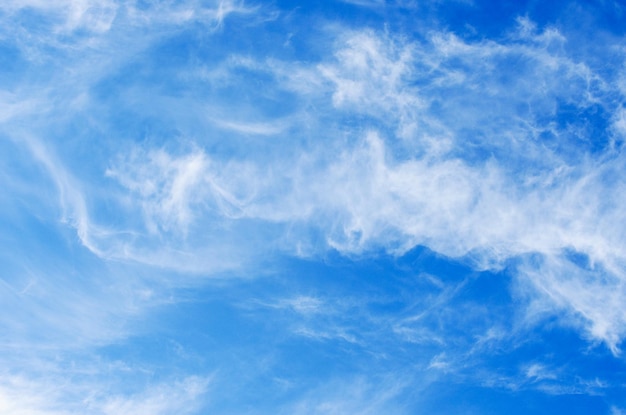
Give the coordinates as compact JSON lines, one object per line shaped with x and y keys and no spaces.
{"x":486,"y":150}
{"x":151,"y":148}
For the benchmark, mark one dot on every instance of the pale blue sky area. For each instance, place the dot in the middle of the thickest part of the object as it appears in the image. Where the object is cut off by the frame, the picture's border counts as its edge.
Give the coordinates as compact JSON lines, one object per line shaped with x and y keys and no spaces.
{"x":335,"y":207}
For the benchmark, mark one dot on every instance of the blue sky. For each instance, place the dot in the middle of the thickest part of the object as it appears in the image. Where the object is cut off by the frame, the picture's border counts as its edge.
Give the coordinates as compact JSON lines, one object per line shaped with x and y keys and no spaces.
{"x":337,"y":207}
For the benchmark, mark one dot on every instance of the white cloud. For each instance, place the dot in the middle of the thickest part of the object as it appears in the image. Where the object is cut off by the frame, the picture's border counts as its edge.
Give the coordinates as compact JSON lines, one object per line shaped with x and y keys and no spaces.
{"x":593,"y":295}
{"x":366,"y":3}
{"x":371,"y":75}
{"x":537,"y":372}
{"x":92,"y":15}
{"x":304,"y":305}
{"x":354,"y":396}
{"x":180,"y":397}
{"x":458,"y":146}
{"x":253,"y":128}
{"x":168,"y":187}
{"x":489,"y":174}
{"x":616,"y":411}
{"x":47,"y":396}
{"x":529,"y":196}
{"x":98,"y":15}
{"x":19,"y":396}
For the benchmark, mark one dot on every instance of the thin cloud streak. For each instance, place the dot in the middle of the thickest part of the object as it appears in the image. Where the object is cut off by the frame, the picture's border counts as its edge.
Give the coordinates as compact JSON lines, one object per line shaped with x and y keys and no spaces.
{"x":19,"y":395}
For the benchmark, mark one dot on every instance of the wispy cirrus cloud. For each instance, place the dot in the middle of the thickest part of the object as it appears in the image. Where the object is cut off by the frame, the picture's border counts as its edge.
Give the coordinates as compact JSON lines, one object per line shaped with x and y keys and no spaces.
{"x":20,"y":395}
{"x":98,"y":16}
{"x":357,"y":396}
{"x":168,"y":153}
{"x":497,"y":168}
